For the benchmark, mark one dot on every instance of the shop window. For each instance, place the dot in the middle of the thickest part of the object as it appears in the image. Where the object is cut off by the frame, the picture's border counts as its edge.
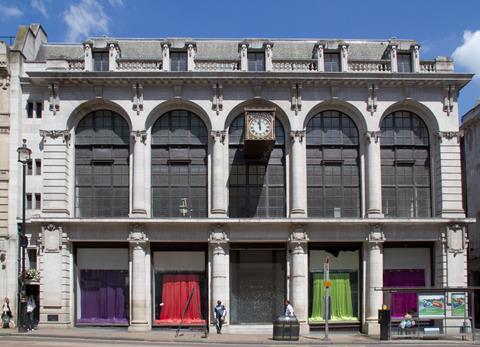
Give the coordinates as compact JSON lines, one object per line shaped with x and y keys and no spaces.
{"x":179,"y":275}
{"x":38,"y":166}
{"x":256,"y":184}
{"x":178,"y":61}
{"x":256,"y":61}
{"x":405,"y":155}
{"x":179,"y":166}
{"x":404,"y":62}
{"x":102,"y":286}
{"x":102,"y":166}
{"x":100,"y":61}
{"x":344,"y":290}
{"x":333,"y":172}
{"x":331,"y":62}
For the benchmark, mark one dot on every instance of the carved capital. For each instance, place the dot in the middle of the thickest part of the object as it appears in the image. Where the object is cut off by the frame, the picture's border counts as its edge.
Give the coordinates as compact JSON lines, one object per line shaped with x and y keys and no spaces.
{"x":55,"y":134}
{"x":448,"y":135}
{"x":372,"y":136}
{"x":218,"y":135}
{"x":376,"y":234}
{"x":218,"y":235}
{"x":299,"y":235}
{"x":137,"y":234}
{"x":139,"y":135}
{"x":297,"y":135}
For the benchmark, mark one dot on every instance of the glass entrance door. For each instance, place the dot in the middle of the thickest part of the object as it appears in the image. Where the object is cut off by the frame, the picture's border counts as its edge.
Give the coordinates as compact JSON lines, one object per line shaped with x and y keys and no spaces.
{"x":257,"y":285}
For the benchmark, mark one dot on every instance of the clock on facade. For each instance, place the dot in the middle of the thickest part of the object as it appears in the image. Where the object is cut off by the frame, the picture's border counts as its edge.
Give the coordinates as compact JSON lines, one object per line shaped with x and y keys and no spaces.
{"x":259,"y":125}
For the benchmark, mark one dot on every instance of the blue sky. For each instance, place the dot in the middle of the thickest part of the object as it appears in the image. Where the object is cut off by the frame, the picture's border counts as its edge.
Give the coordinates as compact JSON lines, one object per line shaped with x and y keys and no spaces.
{"x":442,"y":28}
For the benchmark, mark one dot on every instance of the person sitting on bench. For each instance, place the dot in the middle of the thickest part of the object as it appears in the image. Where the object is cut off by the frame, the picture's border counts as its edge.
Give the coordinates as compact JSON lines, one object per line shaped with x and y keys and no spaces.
{"x":408,"y":320}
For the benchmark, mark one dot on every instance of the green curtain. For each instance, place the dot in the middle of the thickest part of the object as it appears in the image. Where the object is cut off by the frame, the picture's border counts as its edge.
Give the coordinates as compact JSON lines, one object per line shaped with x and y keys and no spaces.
{"x":341,"y":297}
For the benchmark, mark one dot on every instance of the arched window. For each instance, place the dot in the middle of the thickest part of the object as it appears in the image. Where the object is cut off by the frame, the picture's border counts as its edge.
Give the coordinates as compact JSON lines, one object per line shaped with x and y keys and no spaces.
{"x":405,"y":152}
{"x":256,"y":184}
{"x":179,"y":165}
{"x":333,"y":175}
{"x":102,"y":141}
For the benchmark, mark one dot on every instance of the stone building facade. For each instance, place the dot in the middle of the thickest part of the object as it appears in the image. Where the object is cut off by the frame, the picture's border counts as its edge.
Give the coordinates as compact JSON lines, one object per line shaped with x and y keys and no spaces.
{"x":232,"y":169}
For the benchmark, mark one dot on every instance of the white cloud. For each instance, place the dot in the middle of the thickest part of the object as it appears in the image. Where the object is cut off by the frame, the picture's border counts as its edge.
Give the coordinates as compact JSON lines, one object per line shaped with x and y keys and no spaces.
{"x":115,"y":2}
{"x":39,"y":5}
{"x":10,"y":11}
{"x":468,"y":54}
{"x":85,"y":19}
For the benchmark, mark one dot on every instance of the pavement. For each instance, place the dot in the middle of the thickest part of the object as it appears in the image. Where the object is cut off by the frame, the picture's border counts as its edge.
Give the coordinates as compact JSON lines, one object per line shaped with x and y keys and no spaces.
{"x":167,"y":336}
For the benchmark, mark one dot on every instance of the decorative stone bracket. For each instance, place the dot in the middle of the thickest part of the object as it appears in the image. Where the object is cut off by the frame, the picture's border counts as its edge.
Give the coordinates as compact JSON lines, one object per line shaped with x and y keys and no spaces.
{"x":137,"y":234}
{"x":449,"y":135}
{"x":54,"y":134}
{"x":449,"y":98}
{"x":372,"y":136}
{"x":217,"y":99}
{"x":139,"y":135}
{"x":376,"y":235}
{"x":456,"y":238}
{"x":54,"y":99}
{"x":372,"y":99}
{"x":137,"y":97}
{"x":218,"y":135}
{"x":296,"y":97}
{"x":52,"y":238}
{"x":299,"y":235}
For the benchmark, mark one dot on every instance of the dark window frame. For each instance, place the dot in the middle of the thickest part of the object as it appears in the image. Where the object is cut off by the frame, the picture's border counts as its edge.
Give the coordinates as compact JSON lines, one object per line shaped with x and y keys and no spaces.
{"x":256,"y":61}
{"x":332,"y":65}
{"x":38,"y":201}
{"x":404,"y":62}
{"x":102,"y":152}
{"x":38,"y":167}
{"x":406,"y":166}
{"x":101,"y":60}
{"x":179,"y":165}
{"x":333,"y":166}
{"x":260,"y":180}
{"x":178,"y":61}
{"x":29,"y":201}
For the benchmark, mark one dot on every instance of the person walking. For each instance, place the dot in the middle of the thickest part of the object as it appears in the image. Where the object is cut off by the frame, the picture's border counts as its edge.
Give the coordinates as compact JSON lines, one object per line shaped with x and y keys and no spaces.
{"x":30,"y":308}
{"x":289,"y":312}
{"x":6,"y":313}
{"x":220,"y":313}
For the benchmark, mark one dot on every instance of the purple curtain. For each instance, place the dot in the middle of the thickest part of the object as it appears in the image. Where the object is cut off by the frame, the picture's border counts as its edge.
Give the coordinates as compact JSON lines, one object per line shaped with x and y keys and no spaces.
{"x":402,"y":302}
{"x":103,"y":295}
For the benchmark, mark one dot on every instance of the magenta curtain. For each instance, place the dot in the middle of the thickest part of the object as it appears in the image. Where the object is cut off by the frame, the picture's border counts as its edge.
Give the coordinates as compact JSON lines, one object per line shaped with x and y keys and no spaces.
{"x":103,"y":294}
{"x":402,"y":302}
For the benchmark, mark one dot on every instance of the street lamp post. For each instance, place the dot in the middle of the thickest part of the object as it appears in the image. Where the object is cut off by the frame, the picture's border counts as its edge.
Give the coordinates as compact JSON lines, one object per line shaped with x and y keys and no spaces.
{"x":24,"y":157}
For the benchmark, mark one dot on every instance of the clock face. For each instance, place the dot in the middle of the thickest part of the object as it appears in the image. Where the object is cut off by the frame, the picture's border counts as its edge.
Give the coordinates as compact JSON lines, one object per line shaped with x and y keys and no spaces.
{"x":260,"y":126}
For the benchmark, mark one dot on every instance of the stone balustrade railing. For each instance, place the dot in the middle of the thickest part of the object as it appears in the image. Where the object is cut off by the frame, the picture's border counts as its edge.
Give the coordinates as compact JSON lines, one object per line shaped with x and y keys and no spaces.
{"x":369,"y":66}
{"x":76,"y":65}
{"x":428,"y":66}
{"x":303,"y":65}
{"x":139,"y":65}
{"x":217,"y":65}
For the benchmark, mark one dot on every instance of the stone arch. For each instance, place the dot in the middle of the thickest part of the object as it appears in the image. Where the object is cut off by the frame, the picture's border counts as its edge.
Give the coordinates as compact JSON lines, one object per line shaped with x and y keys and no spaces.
{"x":177,"y":104}
{"x":94,"y":105}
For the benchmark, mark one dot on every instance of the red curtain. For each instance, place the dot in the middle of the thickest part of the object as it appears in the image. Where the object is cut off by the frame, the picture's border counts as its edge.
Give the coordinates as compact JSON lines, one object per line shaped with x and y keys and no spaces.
{"x":402,"y":302}
{"x":175,"y":292}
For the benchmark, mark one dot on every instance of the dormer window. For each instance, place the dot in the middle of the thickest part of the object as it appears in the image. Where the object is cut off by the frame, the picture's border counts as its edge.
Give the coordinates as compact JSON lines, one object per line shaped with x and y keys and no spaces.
{"x":178,"y":61}
{"x":404,"y":62}
{"x":332,"y":62}
{"x":100,"y":61}
{"x":256,"y":61}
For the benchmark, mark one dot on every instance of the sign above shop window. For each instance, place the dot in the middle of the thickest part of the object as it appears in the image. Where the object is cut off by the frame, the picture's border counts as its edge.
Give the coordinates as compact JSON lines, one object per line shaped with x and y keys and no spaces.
{"x":259,"y":131}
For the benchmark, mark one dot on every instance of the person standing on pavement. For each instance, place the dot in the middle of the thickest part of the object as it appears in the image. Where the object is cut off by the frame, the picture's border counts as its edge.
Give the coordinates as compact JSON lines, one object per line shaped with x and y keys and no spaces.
{"x":6,"y":313}
{"x":220,"y":313}
{"x":30,"y":308}
{"x":289,"y":312}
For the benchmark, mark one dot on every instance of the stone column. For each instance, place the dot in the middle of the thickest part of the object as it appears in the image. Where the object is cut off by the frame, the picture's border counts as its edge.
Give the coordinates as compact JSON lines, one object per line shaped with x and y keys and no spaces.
{"x":374,"y":176}
{"x":344,"y":57}
{"x":219,"y":248}
{"x":191,"y":49}
{"x":416,"y":58}
{"x":166,"y":57}
{"x":320,"y":57}
{"x":393,"y":57}
{"x":139,"y":206}
{"x":374,"y":279}
{"x":88,"y":58}
{"x":138,"y":244}
{"x":268,"y":56}
{"x":243,"y":47}
{"x":298,"y":171}
{"x":299,"y":275}
{"x":218,"y":183}
{"x":113,"y":51}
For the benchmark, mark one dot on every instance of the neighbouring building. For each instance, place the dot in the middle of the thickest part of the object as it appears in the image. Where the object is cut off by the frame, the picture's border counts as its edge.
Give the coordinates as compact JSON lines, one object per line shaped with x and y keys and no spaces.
{"x":8,"y":242}
{"x":471,"y":164}
{"x":232,"y":169}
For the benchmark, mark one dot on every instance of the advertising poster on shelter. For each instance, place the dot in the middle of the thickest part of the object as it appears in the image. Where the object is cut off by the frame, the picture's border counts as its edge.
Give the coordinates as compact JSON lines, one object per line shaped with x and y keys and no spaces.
{"x":431,"y":305}
{"x":458,"y":304}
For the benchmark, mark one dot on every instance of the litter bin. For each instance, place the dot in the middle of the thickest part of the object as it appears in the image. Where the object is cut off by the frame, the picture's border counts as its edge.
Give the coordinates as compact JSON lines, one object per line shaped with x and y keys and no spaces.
{"x":286,"y":329}
{"x":384,"y":321}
